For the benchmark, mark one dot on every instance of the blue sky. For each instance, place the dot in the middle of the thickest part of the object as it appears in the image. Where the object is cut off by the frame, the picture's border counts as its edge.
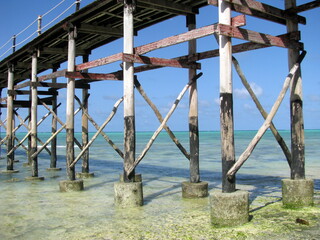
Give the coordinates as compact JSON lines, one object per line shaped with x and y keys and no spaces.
{"x":265,"y":69}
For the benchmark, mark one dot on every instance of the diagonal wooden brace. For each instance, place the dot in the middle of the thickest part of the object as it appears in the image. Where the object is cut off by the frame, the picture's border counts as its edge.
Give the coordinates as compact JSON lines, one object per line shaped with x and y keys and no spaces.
{"x":104,"y":135}
{"x":160,"y":118}
{"x":53,"y":136}
{"x":246,"y":154}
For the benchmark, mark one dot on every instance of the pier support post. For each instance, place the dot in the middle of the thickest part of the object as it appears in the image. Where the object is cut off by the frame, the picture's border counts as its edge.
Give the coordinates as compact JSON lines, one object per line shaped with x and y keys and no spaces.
{"x":85,"y":132}
{"x":53,"y":159}
{"x":71,"y":184}
{"x":33,"y":119}
{"x":128,"y":193}
{"x":10,"y":116}
{"x":229,"y":207}
{"x":194,"y":188}
{"x":292,"y":189}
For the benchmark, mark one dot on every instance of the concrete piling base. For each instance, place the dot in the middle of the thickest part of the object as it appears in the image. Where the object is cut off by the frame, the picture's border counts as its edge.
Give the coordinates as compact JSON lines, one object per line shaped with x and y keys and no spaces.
{"x":229,"y":209}
{"x":194,"y":190}
{"x":34,"y":178}
{"x":71,"y":185}
{"x":84,"y":175}
{"x":297,"y":193}
{"x":137,"y":178}
{"x":53,"y":169}
{"x":10,"y":171}
{"x":128,"y":194}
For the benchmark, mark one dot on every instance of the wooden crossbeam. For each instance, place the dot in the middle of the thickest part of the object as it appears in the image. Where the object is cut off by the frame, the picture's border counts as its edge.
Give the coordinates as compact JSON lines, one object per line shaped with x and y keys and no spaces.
{"x":159,"y":61}
{"x":27,"y":65}
{"x":252,"y":36}
{"x":80,"y":85}
{"x":184,"y":37}
{"x":99,"y":62}
{"x":61,"y":51}
{"x":26,"y":92}
{"x":100,"y":30}
{"x":56,"y":74}
{"x":260,"y":10}
{"x":94,"y":76}
{"x":168,"y":6}
{"x":305,"y":7}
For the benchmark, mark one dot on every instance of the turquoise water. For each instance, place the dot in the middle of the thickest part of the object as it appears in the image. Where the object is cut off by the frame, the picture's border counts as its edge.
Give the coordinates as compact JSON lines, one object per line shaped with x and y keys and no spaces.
{"x":37,"y":210}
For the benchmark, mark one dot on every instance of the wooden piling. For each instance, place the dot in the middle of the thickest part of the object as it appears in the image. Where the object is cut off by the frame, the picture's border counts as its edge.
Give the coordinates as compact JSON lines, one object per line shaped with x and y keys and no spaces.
{"x":193,"y":110}
{"x":70,"y":105}
{"x":10,"y":136}
{"x":34,"y":113}
{"x":85,"y":124}
{"x":226,"y":100}
{"x":53,"y":159}
{"x":296,"y":113}
{"x":128,"y":89}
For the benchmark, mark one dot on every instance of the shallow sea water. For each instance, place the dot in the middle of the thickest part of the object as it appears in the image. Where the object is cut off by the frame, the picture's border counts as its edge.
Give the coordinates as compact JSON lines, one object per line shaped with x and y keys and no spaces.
{"x":37,"y":210}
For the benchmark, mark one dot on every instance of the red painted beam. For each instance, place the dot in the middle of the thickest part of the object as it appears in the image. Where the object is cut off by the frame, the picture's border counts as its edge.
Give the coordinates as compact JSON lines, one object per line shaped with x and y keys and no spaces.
{"x":159,"y":61}
{"x":94,"y":76}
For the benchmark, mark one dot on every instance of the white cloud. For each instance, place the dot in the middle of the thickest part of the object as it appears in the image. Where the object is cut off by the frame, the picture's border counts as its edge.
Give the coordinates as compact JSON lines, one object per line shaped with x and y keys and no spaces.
{"x":243,"y":93}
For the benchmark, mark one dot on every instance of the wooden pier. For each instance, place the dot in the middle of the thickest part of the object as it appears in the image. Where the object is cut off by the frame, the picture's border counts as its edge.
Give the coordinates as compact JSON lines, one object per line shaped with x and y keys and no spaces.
{"x":104,"y":21}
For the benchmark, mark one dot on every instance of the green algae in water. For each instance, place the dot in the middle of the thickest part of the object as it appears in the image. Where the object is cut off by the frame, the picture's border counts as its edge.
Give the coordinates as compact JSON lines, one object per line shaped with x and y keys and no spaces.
{"x":39,"y":210}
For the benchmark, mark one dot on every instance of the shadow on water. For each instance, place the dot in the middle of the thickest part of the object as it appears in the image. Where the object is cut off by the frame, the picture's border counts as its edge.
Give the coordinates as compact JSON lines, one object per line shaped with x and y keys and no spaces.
{"x":170,"y":177}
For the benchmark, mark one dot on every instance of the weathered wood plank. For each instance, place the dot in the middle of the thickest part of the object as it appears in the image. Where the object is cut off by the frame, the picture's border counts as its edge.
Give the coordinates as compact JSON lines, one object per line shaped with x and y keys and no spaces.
{"x":260,"y":10}
{"x":257,"y":37}
{"x":251,"y":12}
{"x":56,"y":74}
{"x":159,"y":61}
{"x":168,"y":6}
{"x":99,"y":62}
{"x":100,"y":30}
{"x":26,"y":92}
{"x":304,"y":7}
{"x":94,"y":76}
{"x":184,"y":37}
{"x":265,"y":8}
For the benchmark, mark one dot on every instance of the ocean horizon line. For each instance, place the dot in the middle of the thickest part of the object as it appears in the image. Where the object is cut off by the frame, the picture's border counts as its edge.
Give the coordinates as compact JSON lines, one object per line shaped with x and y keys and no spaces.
{"x":182,"y":131}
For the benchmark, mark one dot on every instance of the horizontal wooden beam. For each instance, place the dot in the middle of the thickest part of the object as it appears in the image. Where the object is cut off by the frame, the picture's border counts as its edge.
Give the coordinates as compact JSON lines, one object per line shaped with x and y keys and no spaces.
{"x":243,"y":47}
{"x":160,"y":61}
{"x":60,"y":85}
{"x":80,"y":85}
{"x":168,"y":6}
{"x":62,"y":51}
{"x":56,"y":74}
{"x":100,"y":30}
{"x":26,"y":92}
{"x":26,"y":103}
{"x":304,"y":7}
{"x":260,"y":10}
{"x":99,"y":62}
{"x":94,"y":76}
{"x":27,"y":65}
{"x":184,"y":37}
{"x":261,"y":38}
